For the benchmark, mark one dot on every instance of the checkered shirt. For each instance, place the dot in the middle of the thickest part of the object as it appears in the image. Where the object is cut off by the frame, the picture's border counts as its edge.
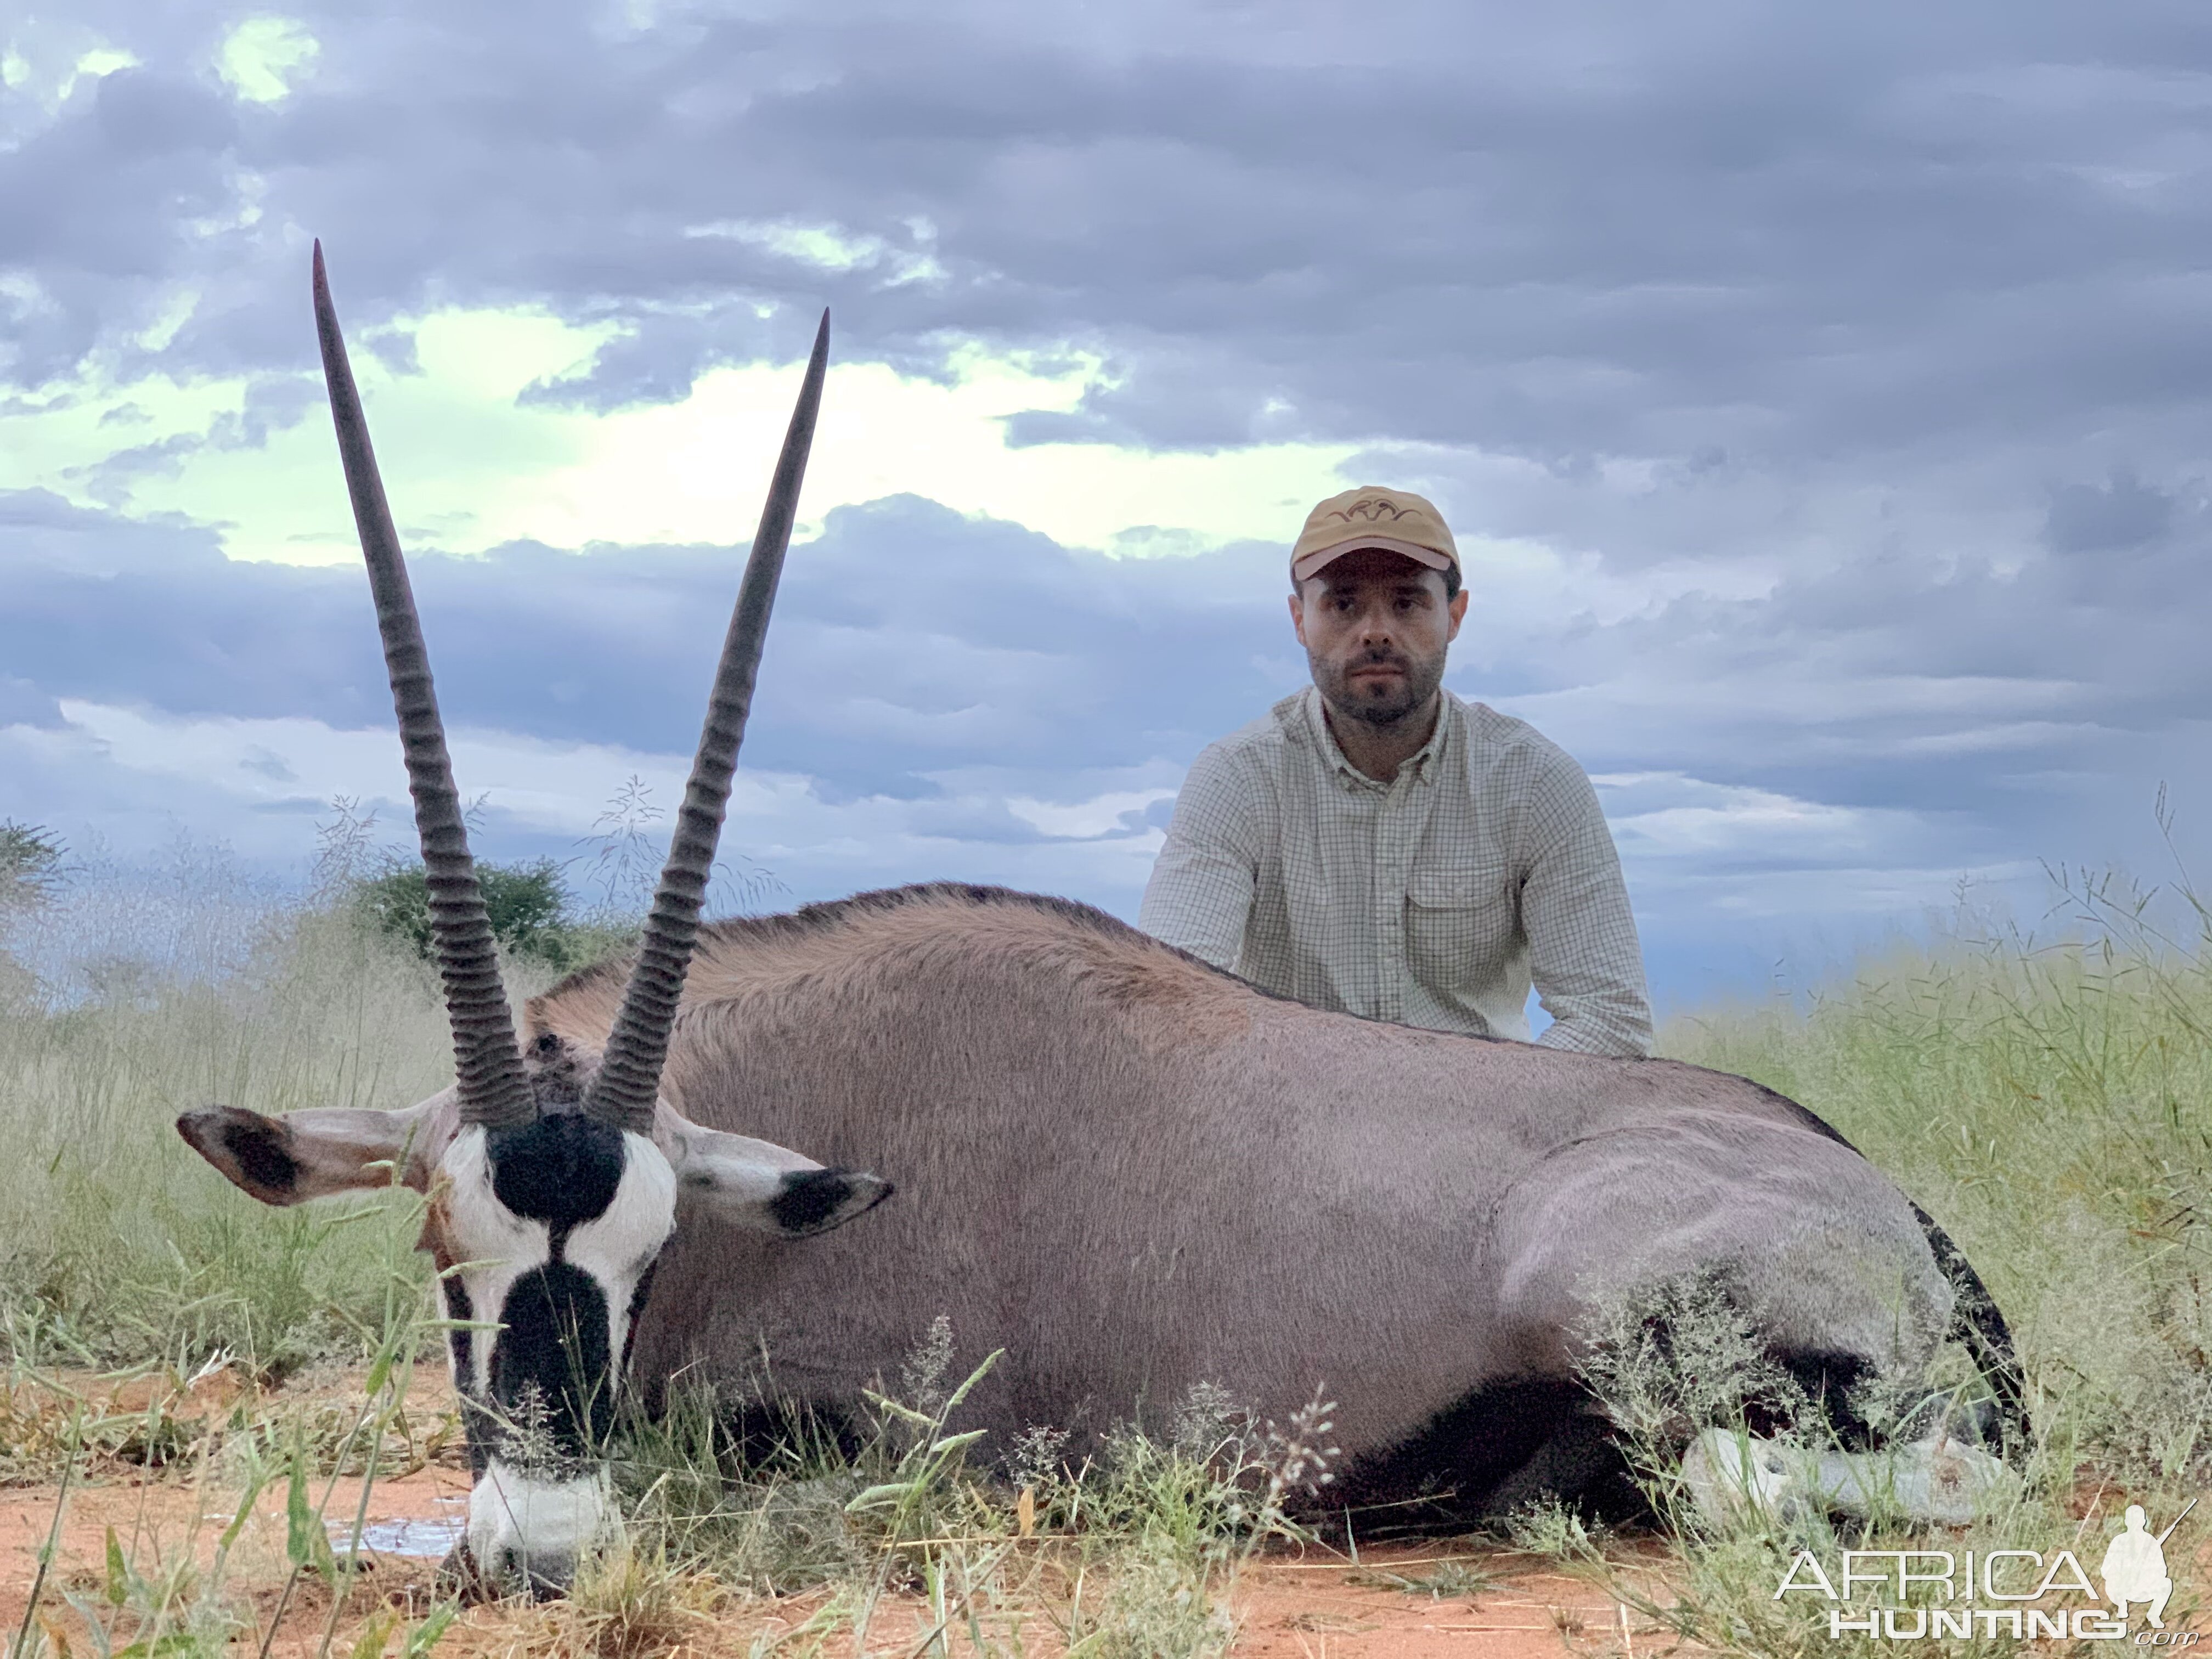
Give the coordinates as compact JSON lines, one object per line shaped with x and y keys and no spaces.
{"x":1435,"y":900}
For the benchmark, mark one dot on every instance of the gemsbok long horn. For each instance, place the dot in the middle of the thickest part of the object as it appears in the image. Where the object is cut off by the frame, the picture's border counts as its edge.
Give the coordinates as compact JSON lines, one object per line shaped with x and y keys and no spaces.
{"x":629,"y":1078}
{"x":486,"y":1062}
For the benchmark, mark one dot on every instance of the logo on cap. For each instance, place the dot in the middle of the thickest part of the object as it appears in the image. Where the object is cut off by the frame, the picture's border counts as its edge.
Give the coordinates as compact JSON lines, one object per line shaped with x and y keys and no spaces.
{"x":1395,"y":520}
{"x":1369,"y":506}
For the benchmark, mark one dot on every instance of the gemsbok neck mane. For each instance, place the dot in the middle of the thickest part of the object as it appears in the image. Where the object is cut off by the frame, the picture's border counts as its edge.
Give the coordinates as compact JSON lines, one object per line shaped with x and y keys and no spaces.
{"x":915,"y":925}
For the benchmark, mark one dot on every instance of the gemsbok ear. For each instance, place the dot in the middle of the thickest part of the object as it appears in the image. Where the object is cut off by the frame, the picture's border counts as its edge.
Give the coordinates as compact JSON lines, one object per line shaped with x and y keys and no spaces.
{"x":759,"y":1185}
{"x":313,"y":1154}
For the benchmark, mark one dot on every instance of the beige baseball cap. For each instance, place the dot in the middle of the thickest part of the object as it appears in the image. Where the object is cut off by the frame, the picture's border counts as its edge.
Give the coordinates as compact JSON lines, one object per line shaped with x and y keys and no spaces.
{"x":1397,"y":520}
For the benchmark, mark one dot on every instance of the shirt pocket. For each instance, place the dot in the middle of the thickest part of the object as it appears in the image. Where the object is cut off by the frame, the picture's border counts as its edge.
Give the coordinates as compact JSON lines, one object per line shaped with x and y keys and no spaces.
{"x":1460,"y":923}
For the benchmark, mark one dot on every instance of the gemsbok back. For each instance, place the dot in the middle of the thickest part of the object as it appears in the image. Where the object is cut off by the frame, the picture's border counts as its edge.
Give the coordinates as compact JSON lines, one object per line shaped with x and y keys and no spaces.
{"x":1131,"y":1171}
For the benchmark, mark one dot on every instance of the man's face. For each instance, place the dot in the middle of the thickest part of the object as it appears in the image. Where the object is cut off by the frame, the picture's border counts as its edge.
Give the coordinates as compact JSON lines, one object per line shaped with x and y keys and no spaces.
{"x":1375,"y":626}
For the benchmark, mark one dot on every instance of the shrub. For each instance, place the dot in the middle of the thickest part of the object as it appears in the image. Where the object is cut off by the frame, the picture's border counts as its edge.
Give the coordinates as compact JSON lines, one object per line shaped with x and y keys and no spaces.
{"x":528,"y":904}
{"x":31,"y":865}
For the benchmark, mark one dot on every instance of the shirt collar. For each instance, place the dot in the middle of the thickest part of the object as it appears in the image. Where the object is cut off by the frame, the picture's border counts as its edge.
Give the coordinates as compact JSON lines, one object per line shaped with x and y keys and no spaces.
{"x":1422,"y":763}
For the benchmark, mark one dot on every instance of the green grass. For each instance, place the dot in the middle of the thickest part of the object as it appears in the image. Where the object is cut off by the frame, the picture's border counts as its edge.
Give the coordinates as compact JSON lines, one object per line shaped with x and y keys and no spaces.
{"x":118,"y":1244}
{"x":2049,"y":1101}
{"x":177,"y":1597}
{"x":2048,"y":1098}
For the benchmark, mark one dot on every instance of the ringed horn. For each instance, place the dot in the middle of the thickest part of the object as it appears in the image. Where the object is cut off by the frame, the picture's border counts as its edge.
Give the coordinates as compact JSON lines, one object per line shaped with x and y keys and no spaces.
{"x":492,"y":1087}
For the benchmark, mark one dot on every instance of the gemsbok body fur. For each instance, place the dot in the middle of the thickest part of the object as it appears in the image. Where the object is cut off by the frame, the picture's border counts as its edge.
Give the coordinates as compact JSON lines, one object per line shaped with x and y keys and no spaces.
{"x":1130,"y":1171}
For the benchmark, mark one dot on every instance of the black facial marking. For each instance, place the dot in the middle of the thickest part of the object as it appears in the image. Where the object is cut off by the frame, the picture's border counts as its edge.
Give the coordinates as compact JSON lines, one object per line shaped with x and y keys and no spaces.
{"x":561,"y":1169}
{"x":638,"y":1306}
{"x":261,"y":1156}
{"x":460,"y":1309}
{"x":554,"y":1352}
{"x":461,"y":1343}
{"x":810,"y":1197}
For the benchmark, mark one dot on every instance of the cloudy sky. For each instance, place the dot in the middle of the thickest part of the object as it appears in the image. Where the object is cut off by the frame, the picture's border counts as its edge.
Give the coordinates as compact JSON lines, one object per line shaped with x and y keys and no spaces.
{"x":1819,"y":395}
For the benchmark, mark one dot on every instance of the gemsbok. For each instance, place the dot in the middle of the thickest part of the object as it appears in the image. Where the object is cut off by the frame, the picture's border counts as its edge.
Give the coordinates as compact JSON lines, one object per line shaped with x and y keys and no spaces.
{"x":1131,"y":1171}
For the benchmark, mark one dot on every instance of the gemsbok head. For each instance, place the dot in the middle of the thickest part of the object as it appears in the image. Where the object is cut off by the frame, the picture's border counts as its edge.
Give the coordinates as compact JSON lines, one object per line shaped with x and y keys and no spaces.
{"x":553,"y":1177}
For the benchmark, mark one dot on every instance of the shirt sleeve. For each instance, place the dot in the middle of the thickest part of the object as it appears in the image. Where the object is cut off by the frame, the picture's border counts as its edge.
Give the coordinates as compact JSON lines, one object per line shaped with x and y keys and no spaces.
{"x":1583,"y":955}
{"x":1199,"y":897}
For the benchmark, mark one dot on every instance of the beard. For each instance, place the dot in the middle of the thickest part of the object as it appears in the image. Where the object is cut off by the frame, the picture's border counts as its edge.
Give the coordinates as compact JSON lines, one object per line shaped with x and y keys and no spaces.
{"x":1377,"y":702}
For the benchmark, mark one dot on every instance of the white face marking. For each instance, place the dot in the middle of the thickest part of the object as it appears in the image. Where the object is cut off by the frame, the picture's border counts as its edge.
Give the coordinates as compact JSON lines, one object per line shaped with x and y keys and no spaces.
{"x":618,"y":1245}
{"x":522,"y":1524}
{"x":497,"y":1246}
{"x":522,"y":1527}
{"x":494,"y":1246}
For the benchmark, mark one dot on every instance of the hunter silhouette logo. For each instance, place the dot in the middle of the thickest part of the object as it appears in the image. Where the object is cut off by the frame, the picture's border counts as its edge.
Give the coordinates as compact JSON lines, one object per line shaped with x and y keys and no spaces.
{"x":2134,"y":1568}
{"x":1984,"y":1593}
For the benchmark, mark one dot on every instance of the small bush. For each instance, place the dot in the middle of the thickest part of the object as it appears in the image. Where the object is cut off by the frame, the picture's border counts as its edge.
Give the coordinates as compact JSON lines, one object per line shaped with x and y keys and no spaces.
{"x":528,"y":905}
{"x":31,"y":865}
{"x":1680,"y":1356}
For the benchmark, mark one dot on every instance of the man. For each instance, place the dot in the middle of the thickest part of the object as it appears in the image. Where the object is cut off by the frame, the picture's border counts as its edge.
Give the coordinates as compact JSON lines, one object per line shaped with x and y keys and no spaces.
{"x":1375,"y":845}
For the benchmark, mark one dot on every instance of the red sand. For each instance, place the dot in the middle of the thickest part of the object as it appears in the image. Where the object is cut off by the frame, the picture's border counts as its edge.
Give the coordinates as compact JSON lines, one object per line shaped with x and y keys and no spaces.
{"x":1319,"y":1607}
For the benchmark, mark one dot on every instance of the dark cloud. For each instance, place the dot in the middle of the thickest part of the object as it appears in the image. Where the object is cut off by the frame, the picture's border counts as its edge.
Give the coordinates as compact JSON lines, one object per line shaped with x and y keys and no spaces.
{"x":100,"y":204}
{"x":2123,"y":513}
{"x":1597,"y":228}
{"x":909,"y":640}
{"x":22,"y":704}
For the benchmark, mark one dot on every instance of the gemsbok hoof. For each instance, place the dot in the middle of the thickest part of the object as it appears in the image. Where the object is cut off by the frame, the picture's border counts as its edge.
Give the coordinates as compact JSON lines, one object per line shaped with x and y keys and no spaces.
{"x":1734,"y":1477}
